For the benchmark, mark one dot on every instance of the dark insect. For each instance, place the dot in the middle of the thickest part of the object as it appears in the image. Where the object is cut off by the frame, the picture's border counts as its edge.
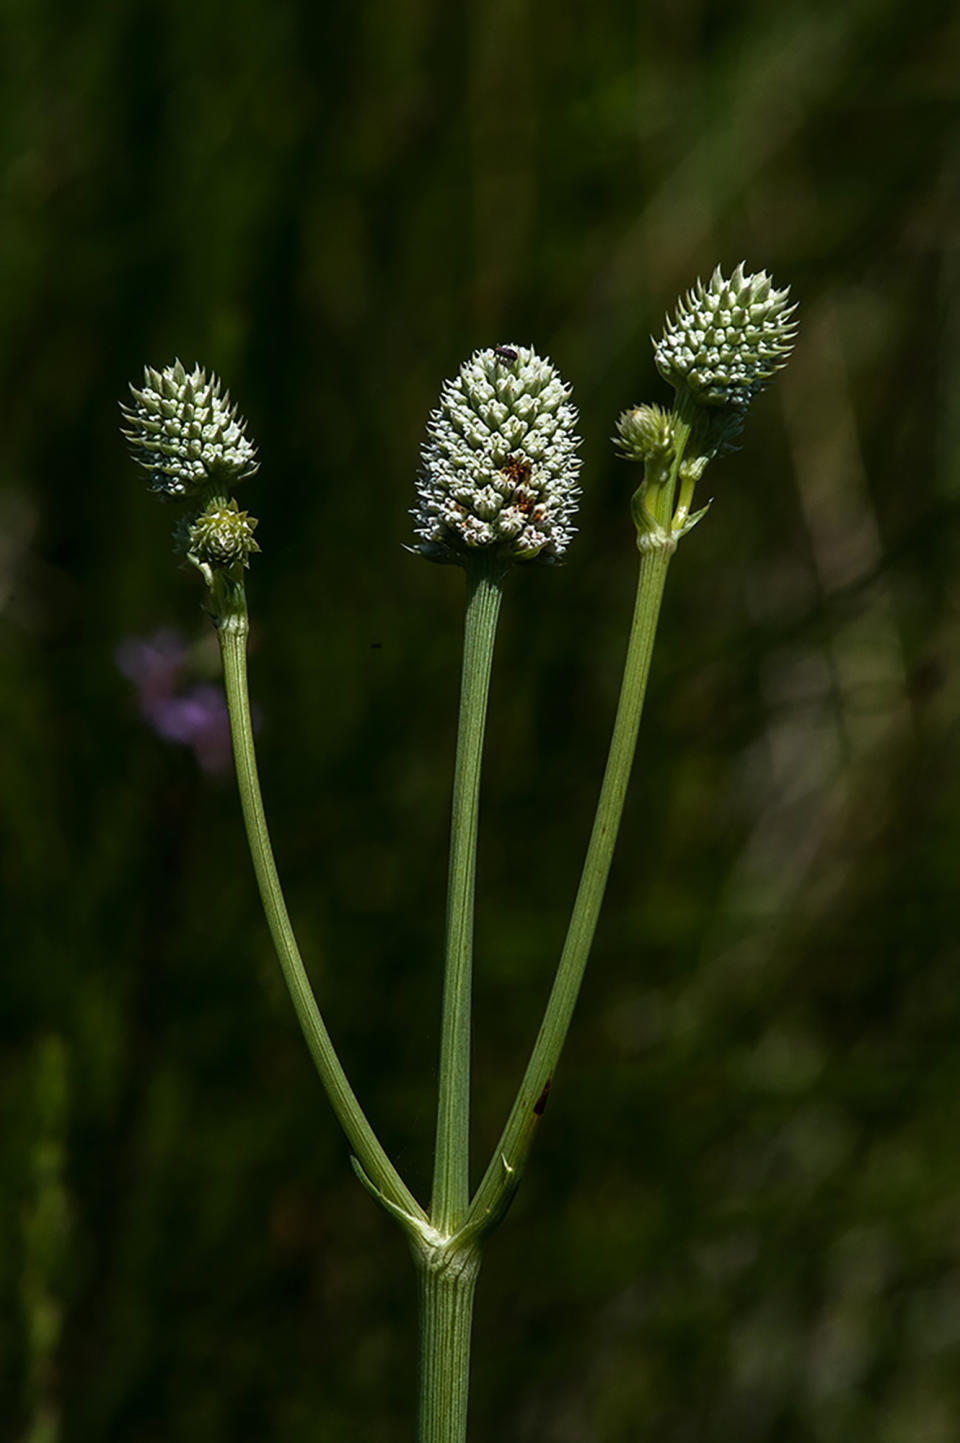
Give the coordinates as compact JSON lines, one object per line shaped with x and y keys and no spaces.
{"x":505,"y":353}
{"x":541,"y":1101}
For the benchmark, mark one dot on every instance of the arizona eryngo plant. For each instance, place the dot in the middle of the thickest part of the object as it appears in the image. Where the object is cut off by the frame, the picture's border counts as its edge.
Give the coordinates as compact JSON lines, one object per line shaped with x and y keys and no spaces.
{"x":500,"y":465}
{"x":499,"y":482}
{"x":727,"y":338}
{"x":185,"y":433}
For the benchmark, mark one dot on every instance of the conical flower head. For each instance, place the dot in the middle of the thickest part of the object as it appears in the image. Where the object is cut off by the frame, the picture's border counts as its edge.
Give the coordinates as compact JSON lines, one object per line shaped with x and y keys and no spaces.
{"x":500,"y":465}
{"x":185,"y":433}
{"x":727,"y":338}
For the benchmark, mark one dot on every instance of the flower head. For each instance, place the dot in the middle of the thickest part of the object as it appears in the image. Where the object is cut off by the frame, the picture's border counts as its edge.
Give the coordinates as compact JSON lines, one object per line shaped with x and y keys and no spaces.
{"x":727,"y":338}
{"x":185,"y":433}
{"x":500,"y":465}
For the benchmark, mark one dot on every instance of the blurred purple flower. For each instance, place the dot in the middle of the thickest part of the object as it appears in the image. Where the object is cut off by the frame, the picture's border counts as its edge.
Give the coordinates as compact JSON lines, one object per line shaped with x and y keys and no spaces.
{"x":191,"y":713}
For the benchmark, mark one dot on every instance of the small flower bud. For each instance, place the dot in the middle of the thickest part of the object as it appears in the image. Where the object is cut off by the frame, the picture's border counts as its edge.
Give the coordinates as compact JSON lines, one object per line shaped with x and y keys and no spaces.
{"x":647,"y":433}
{"x":222,"y":536}
{"x":185,"y":433}
{"x":727,"y":339}
{"x":500,"y":465}
{"x":691,"y":469}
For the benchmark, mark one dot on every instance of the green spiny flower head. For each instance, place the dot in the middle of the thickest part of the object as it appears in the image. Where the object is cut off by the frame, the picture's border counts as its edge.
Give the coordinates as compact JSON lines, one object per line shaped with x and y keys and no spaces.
{"x":646,"y":433}
{"x":185,"y":433}
{"x":727,"y":339}
{"x":222,"y":536}
{"x":500,"y":465}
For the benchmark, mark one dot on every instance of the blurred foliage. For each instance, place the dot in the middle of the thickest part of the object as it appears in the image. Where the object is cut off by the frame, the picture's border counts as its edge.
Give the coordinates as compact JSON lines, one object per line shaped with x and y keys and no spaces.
{"x":742,"y":1217}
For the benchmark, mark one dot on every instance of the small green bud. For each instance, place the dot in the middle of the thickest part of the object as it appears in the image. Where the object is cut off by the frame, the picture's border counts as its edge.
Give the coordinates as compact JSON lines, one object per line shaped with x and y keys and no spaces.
{"x":222,"y":537}
{"x":647,"y":433}
{"x":727,"y":339}
{"x":691,"y":469}
{"x":186,"y":434}
{"x":500,"y":465}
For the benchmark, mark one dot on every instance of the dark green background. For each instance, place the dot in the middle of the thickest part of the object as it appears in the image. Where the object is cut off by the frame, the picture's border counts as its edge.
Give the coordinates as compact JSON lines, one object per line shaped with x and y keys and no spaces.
{"x":742,"y":1220}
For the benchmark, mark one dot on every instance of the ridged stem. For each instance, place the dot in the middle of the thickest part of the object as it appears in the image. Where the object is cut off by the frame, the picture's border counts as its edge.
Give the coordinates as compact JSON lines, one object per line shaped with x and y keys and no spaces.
{"x":232,"y":628}
{"x":447,"y":1290}
{"x":451,"y":1180}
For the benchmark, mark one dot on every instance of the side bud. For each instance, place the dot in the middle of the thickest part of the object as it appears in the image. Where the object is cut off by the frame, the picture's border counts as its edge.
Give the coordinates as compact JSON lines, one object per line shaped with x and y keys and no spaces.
{"x":727,"y":339}
{"x":500,"y":465}
{"x":186,"y":434}
{"x":647,"y":434}
{"x":221,"y":537}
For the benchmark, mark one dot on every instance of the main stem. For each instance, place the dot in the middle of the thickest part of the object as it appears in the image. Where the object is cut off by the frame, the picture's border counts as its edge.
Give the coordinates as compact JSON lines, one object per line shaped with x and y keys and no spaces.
{"x":232,"y":629}
{"x":451,"y":1180}
{"x":446,"y":1315}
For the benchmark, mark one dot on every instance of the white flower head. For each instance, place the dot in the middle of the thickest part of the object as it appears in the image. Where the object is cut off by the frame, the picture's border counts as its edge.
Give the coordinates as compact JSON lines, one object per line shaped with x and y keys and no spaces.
{"x":500,"y":464}
{"x":727,"y":338}
{"x":185,"y":433}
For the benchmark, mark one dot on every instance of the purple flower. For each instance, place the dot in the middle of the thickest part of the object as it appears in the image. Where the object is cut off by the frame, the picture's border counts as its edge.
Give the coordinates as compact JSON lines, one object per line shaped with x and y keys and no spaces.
{"x":191,"y":713}
{"x":155,"y":664}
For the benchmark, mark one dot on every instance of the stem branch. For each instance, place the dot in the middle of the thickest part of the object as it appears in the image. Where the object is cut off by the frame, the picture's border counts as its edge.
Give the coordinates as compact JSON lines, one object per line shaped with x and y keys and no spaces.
{"x":451,"y":1180}
{"x":232,"y":629}
{"x":503,"y":1173}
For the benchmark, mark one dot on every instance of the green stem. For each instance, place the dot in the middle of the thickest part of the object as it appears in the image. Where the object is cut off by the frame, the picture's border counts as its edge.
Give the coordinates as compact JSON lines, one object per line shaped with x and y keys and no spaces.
{"x":447,"y":1288}
{"x":503,"y":1174}
{"x":232,"y":629}
{"x":451,"y":1180}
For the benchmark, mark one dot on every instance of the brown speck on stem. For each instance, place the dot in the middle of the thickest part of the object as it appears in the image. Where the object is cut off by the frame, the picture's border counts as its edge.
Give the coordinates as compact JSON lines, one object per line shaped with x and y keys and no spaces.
{"x":541,"y":1101}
